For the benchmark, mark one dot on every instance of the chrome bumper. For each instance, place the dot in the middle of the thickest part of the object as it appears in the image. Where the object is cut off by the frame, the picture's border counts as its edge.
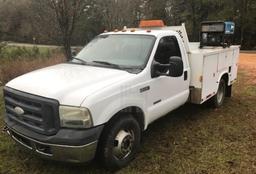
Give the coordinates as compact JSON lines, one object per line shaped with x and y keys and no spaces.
{"x":74,"y":154}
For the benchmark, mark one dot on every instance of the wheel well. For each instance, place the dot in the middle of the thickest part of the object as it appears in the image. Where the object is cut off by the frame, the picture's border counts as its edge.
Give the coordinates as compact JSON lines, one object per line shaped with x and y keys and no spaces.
{"x":226,"y":78}
{"x":134,"y":111}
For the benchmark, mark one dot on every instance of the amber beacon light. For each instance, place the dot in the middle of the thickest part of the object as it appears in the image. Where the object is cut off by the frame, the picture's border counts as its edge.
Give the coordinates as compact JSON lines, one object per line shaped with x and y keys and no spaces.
{"x":151,"y":23}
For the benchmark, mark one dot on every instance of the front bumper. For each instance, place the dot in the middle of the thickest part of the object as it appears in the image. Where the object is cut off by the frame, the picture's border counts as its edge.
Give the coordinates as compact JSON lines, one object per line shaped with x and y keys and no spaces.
{"x":59,"y":152}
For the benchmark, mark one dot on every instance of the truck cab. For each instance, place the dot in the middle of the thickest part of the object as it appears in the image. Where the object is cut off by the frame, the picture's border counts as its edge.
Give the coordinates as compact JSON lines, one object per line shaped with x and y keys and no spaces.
{"x":99,"y":103}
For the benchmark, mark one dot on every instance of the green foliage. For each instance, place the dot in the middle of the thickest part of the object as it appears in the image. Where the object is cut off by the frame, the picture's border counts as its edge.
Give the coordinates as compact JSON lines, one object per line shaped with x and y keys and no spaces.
{"x":2,"y":45}
{"x":13,"y":52}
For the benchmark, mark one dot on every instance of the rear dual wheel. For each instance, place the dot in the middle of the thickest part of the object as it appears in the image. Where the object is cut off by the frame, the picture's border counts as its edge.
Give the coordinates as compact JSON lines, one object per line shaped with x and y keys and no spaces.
{"x":218,"y":100}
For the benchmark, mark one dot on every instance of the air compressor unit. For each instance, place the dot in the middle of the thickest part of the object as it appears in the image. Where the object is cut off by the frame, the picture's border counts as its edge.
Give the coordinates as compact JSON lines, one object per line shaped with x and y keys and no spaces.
{"x":217,"y":33}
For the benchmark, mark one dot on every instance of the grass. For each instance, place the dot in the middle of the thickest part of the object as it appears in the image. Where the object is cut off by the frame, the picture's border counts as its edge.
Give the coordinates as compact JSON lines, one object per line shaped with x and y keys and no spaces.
{"x":14,"y":52}
{"x":15,"y":61}
{"x":192,"y":140}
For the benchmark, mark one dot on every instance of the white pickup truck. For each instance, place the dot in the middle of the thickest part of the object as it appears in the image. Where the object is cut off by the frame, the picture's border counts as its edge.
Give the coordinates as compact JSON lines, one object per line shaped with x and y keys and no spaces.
{"x":99,"y":103}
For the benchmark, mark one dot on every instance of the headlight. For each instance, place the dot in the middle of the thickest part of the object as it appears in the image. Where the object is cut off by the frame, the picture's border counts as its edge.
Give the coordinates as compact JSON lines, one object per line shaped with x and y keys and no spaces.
{"x":75,"y":117}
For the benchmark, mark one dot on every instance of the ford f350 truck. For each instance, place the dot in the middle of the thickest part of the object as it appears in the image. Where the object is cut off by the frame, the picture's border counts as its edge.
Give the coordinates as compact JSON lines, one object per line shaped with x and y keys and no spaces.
{"x":99,"y":103}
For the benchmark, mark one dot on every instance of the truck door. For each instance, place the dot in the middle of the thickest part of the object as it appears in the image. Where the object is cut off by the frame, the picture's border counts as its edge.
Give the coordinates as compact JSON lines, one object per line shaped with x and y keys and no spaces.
{"x":167,"y":93}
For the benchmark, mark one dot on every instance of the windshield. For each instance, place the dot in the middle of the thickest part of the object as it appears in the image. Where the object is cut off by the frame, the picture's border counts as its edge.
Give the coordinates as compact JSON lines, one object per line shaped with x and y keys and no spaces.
{"x":125,"y":51}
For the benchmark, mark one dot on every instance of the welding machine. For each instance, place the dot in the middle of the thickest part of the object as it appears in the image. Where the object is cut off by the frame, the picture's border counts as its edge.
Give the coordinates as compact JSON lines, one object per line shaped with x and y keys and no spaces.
{"x":217,"y":33}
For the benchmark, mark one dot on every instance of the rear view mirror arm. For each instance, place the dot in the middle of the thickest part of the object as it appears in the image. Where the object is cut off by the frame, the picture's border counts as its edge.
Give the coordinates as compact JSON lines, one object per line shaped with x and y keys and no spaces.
{"x":162,"y":65}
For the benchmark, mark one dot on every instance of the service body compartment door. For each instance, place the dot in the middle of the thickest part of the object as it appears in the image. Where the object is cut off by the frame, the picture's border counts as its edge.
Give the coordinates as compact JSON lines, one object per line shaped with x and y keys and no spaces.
{"x":230,"y":58}
{"x":210,"y":76}
{"x":222,"y":61}
{"x":234,"y":68}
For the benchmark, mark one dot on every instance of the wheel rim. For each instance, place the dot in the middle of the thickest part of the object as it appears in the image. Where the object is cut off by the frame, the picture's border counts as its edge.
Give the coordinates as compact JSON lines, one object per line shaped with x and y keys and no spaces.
{"x":220,"y":94}
{"x":124,"y":142}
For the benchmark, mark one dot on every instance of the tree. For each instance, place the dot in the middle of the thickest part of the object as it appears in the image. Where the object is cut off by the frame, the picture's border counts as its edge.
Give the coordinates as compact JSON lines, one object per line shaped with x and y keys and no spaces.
{"x":119,"y":13}
{"x":76,"y":22}
{"x":67,"y":13}
{"x":14,"y":20}
{"x":246,"y":19}
{"x":45,"y":31}
{"x":156,"y":9}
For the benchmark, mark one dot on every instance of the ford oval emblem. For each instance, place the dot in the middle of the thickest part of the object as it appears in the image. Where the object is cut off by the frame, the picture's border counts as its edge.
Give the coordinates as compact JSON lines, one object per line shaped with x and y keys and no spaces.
{"x":18,"y":110}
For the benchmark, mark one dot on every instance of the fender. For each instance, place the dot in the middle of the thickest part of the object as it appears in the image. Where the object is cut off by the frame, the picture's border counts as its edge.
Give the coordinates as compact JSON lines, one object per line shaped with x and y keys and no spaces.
{"x":222,"y":74}
{"x":107,"y":108}
{"x":111,"y":110}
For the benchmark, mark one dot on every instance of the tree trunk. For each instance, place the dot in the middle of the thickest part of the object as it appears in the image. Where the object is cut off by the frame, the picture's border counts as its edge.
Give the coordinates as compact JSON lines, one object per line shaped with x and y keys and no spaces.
{"x":67,"y":48}
{"x":194,"y":23}
{"x":243,"y":20}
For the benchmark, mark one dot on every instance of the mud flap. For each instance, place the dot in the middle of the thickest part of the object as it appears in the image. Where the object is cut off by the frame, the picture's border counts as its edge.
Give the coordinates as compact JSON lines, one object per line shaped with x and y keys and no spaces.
{"x":229,"y":91}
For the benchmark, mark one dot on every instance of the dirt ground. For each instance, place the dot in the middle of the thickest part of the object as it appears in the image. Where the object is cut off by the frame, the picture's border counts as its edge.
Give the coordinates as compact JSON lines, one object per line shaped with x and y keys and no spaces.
{"x":247,"y":64}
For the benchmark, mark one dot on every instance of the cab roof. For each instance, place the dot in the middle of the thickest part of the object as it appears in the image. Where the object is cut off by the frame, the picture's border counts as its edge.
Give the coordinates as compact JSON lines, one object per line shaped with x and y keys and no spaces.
{"x":150,"y":32}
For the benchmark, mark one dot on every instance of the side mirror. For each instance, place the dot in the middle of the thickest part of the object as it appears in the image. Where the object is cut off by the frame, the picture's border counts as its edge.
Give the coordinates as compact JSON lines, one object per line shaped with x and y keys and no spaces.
{"x":173,"y":69}
{"x":176,"y":66}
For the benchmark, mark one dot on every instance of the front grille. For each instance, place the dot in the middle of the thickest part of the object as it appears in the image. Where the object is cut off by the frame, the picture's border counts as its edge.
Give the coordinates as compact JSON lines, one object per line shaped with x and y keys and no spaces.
{"x":38,"y":114}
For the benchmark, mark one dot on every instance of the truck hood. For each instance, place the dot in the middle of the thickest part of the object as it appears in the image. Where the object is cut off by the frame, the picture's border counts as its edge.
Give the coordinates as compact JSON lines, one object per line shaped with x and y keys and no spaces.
{"x":70,"y":84}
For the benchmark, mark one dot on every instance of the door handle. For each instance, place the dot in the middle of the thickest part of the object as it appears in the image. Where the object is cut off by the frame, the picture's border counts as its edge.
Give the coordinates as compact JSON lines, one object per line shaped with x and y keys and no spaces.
{"x":185,"y":75}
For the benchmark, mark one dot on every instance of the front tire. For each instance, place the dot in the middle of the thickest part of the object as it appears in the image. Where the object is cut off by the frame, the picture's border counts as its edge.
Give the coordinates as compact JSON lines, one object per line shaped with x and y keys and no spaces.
{"x":120,"y":142}
{"x":218,"y":100}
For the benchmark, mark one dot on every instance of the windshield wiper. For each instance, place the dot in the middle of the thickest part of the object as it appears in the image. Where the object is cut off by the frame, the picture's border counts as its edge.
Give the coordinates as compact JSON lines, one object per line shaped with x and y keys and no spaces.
{"x":81,"y":60}
{"x":108,"y":63}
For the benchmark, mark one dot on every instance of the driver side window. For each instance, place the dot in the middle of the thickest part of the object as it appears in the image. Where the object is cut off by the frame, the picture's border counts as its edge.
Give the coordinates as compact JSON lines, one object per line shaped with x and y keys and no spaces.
{"x":168,"y":47}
